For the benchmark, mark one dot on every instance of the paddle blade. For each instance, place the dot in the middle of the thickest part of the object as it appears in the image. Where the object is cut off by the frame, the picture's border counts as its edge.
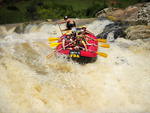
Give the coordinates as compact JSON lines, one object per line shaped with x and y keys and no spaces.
{"x":102,"y":40}
{"x":54,"y":44}
{"x":102,"y":54}
{"x":50,"y":55}
{"x":105,"y":45}
{"x":53,"y":39}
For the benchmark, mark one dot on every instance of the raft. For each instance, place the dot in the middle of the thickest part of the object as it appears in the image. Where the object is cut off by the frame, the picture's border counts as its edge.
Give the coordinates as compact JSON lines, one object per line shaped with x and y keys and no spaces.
{"x":81,"y":56}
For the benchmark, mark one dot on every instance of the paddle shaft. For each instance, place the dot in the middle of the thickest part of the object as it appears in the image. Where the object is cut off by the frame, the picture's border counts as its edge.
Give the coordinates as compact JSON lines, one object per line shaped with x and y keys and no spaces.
{"x":60,"y":29}
{"x":57,"y":51}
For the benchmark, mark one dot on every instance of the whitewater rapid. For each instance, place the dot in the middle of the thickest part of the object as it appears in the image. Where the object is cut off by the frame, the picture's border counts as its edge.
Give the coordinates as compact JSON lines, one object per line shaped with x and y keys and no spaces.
{"x":32,"y":83}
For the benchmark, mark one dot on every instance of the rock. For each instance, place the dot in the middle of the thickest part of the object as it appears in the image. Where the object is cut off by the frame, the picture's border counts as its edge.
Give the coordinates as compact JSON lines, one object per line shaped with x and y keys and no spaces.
{"x":9,"y":29}
{"x":140,"y":13}
{"x":110,"y":13}
{"x":144,"y":13}
{"x":117,"y":13}
{"x":133,"y":21}
{"x":105,"y":12}
{"x":138,"y":32}
{"x":131,"y":13}
{"x":20,"y":29}
{"x":114,"y":30}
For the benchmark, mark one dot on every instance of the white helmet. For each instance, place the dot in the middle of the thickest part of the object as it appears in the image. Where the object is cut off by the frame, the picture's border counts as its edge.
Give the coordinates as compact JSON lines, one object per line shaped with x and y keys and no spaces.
{"x":65,"y":17}
{"x":74,"y":29}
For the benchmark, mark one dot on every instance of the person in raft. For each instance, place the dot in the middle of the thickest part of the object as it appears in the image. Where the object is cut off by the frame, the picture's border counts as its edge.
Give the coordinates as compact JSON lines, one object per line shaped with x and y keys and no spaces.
{"x":80,"y":43}
{"x":84,"y":30}
{"x":67,"y":42}
{"x":69,"y":23}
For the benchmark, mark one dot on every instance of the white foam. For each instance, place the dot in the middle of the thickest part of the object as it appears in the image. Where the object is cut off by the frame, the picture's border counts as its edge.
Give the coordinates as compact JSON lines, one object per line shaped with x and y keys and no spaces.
{"x":31,"y":83}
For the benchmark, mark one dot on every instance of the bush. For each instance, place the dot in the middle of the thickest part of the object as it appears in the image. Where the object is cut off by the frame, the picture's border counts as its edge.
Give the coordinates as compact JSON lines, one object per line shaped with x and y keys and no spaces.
{"x":26,"y":10}
{"x":91,"y":11}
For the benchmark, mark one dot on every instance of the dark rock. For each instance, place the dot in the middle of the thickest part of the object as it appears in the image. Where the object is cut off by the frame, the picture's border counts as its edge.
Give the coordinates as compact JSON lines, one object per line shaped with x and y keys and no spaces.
{"x":21,"y":28}
{"x":116,"y":29}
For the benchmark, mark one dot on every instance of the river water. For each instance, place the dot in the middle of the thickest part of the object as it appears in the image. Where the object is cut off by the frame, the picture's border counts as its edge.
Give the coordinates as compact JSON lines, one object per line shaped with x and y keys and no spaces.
{"x":32,"y":83}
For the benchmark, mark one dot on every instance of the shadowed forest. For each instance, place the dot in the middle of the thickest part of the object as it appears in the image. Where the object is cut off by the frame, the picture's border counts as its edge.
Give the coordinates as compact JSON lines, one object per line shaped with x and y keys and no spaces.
{"x":16,"y":11}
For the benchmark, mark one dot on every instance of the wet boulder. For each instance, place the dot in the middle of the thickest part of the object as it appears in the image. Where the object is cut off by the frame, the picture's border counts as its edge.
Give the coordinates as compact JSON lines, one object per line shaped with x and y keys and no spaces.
{"x":144,"y":13}
{"x":20,"y":29}
{"x":113,"y":31}
{"x":139,"y":13}
{"x":138,"y":32}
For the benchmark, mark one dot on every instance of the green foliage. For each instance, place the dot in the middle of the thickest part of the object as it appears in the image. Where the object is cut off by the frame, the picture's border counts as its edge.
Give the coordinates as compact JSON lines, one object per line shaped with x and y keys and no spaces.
{"x":91,"y":11}
{"x":27,"y":10}
{"x":52,"y":10}
{"x":8,"y":16}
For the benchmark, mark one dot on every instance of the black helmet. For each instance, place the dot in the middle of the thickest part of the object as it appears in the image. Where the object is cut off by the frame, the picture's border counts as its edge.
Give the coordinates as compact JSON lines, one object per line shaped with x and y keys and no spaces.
{"x":65,"y":17}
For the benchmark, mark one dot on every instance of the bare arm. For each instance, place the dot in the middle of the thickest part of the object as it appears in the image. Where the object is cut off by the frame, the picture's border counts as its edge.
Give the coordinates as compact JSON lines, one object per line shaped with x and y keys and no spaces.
{"x":84,"y":45}
{"x":61,"y":22}
{"x":63,"y":43}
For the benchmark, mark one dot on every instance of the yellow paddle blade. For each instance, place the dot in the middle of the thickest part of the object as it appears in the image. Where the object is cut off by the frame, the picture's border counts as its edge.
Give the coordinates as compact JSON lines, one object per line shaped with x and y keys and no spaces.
{"x":102,"y":40}
{"x":53,"y":39}
{"x":102,"y":54}
{"x":54,"y":44}
{"x":105,"y":45}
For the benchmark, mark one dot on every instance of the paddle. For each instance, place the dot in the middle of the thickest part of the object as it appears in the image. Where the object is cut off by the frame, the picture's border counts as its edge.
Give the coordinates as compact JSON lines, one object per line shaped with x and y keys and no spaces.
{"x":105,"y":45}
{"x":55,"y":39}
{"x":102,"y":40}
{"x":99,"y":53}
{"x":51,"y":39}
{"x":102,"y":54}
{"x":60,"y":28}
{"x":50,"y":55}
{"x":54,"y":44}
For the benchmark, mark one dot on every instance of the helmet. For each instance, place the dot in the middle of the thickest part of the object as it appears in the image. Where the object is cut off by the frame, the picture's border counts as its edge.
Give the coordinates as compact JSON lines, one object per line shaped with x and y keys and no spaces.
{"x":74,"y":29}
{"x":65,"y":17}
{"x":83,"y":27}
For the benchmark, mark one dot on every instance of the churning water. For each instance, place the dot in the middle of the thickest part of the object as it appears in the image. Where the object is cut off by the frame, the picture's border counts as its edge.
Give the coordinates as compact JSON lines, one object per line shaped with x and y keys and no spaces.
{"x":32,"y":83}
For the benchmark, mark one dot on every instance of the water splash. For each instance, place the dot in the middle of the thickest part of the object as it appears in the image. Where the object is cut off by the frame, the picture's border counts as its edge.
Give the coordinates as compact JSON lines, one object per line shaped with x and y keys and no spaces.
{"x":31,"y":83}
